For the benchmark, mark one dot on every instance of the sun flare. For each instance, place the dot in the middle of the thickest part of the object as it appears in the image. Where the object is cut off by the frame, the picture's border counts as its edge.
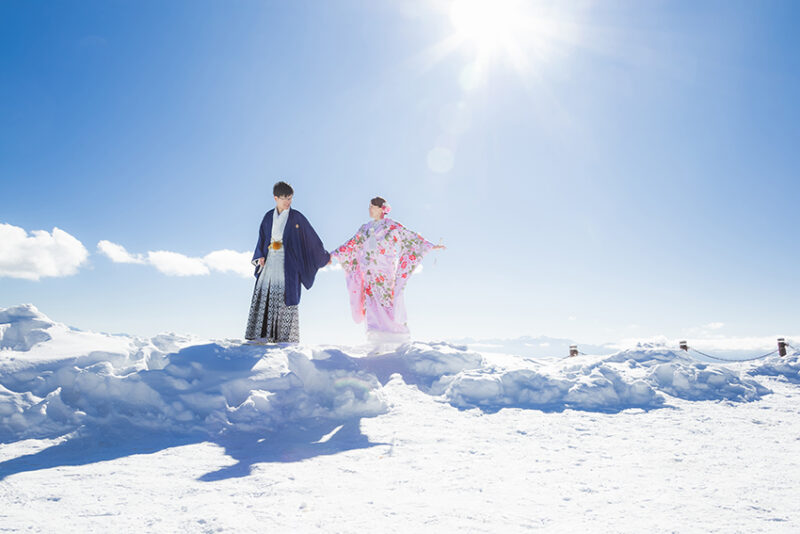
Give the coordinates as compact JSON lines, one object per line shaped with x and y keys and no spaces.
{"x":485,"y":37}
{"x":521,"y":34}
{"x":488,"y":25}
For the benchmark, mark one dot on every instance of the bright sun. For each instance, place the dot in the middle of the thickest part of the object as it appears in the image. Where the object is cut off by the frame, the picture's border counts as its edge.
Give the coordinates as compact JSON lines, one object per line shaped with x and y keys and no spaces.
{"x":522,"y":33}
{"x":490,"y":25}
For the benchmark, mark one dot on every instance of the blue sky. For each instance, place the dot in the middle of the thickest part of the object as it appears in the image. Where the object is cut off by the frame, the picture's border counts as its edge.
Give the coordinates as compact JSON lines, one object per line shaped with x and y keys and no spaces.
{"x":637,"y":177}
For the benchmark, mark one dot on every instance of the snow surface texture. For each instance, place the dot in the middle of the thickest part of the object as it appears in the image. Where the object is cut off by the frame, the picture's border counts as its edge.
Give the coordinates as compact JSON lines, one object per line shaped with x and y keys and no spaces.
{"x":787,"y":368}
{"x":22,"y":327}
{"x":208,"y":387}
{"x":174,"y":384}
{"x":178,"y":434}
{"x":627,"y":379}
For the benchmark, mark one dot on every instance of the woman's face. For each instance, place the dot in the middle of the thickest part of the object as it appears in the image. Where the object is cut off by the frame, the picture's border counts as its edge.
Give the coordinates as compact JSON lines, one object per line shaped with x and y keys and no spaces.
{"x":375,"y":212}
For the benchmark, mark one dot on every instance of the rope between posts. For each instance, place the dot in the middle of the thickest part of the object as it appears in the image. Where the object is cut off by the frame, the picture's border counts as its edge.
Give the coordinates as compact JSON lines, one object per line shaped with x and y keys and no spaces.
{"x":684,"y":346}
{"x":733,"y":361}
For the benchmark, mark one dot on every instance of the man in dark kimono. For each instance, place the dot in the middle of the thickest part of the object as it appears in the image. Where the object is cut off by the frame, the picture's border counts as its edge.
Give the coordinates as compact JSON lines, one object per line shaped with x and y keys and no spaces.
{"x":288,"y":253}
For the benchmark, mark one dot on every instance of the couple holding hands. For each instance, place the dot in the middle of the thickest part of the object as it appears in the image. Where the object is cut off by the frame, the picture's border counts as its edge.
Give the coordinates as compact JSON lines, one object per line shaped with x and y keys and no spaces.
{"x":377,"y":261}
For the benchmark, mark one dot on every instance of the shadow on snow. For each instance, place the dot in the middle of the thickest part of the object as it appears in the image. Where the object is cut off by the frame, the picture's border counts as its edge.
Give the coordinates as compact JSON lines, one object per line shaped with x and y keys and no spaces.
{"x":301,"y":441}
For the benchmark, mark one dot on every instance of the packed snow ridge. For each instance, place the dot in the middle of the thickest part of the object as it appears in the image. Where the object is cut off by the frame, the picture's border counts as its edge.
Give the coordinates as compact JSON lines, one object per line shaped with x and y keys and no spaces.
{"x":55,"y":380}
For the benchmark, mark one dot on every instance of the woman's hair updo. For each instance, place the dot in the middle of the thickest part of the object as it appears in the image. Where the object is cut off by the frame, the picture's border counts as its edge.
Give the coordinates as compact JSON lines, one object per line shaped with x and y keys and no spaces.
{"x":378,"y":202}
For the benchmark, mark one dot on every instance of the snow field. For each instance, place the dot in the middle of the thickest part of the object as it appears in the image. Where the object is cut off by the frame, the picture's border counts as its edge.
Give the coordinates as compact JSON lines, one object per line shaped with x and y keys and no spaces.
{"x":173,"y":433}
{"x":175,"y":384}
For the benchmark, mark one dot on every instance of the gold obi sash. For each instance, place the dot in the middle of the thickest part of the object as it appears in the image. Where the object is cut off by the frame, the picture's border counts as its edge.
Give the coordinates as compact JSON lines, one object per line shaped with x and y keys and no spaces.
{"x":276,"y":245}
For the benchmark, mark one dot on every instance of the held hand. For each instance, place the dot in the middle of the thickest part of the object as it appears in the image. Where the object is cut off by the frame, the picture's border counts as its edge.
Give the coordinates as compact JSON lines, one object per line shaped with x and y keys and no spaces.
{"x":261,"y":262}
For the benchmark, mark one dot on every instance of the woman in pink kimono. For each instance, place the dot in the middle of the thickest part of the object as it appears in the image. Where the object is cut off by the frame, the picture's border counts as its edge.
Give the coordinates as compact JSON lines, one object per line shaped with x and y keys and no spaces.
{"x":378,"y":261}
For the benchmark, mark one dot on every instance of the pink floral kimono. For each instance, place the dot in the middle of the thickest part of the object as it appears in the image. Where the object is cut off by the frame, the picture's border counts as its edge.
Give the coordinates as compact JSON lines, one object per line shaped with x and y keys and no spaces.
{"x":378,"y":261}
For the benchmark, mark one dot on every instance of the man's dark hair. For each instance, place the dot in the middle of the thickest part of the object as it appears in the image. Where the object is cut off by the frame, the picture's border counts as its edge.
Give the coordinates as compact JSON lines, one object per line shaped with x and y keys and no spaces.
{"x":377,"y":201}
{"x":282,"y":189}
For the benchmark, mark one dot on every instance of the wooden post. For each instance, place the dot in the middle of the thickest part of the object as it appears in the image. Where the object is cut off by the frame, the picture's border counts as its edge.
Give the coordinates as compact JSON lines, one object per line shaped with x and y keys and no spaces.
{"x":781,"y":346}
{"x":573,"y":350}
{"x":684,"y":346}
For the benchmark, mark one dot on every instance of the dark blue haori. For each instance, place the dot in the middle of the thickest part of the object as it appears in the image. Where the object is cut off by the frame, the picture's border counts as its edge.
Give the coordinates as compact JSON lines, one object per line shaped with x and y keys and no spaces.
{"x":304,"y":256}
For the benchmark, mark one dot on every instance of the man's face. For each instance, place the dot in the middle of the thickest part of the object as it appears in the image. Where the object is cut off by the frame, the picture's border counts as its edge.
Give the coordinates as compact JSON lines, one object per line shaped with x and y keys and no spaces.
{"x":283,"y":203}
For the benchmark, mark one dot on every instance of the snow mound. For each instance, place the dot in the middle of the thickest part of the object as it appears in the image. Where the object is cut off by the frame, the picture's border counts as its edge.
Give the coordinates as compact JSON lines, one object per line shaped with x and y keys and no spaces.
{"x":704,"y":382}
{"x":600,"y":388}
{"x":648,"y":354}
{"x":202,"y":388}
{"x":53,"y":385}
{"x":421,"y":364}
{"x":787,"y":367}
{"x":636,"y":378}
{"x":30,"y":341}
{"x":22,"y":327}
{"x":677,"y":374}
{"x":55,"y":380}
{"x":435,"y":360}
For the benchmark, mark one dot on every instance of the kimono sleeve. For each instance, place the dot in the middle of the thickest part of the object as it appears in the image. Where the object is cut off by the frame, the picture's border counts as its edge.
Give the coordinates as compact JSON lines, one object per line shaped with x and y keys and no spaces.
{"x":313,"y":253}
{"x":348,"y":253}
{"x":259,"y":250}
{"x":412,"y":248}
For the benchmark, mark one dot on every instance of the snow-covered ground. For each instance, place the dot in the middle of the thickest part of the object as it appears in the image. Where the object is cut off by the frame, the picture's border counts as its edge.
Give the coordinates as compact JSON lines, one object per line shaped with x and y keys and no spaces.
{"x":106,"y":433}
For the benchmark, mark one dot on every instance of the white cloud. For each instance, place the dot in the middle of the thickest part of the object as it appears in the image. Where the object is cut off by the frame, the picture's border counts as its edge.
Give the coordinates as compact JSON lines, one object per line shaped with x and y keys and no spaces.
{"x":175,"y":264}
{"x":714,"y":326}
{"x":332,"y":267}
{"x":40,"y":254}
{"x":118,"y":254}
{"x":226,"y":261}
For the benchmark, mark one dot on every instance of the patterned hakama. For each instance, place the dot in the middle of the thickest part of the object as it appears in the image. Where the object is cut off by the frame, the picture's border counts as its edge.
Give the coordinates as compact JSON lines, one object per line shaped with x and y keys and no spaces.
{"x":271,"y":320}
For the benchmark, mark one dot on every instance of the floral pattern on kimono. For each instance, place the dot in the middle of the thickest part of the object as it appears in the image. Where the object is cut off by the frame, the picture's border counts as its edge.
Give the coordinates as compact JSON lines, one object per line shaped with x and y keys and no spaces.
{"x":378,"y":260}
